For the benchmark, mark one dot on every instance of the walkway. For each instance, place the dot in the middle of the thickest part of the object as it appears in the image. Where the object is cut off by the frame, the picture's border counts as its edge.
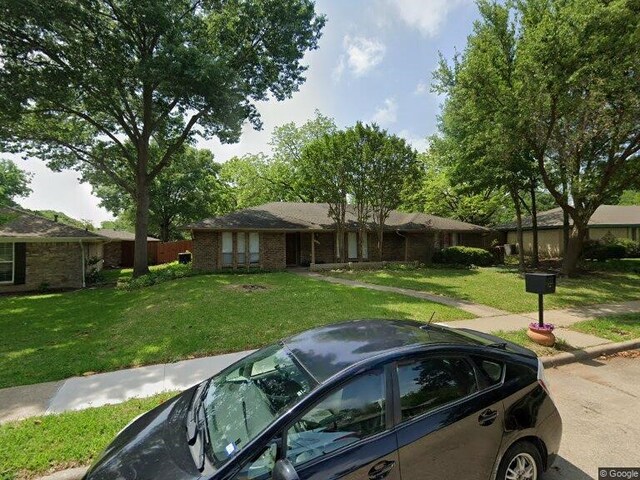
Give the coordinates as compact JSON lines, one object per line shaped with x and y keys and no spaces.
{"x":473,"y":308}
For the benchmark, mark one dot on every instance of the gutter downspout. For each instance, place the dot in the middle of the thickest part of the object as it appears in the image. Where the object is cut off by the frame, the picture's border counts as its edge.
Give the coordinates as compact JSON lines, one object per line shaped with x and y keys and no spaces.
{"x":83,"y":266}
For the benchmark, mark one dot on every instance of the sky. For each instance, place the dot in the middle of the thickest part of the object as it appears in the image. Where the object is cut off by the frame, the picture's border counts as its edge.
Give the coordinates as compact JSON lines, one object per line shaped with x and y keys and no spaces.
{"x":374,"y":64}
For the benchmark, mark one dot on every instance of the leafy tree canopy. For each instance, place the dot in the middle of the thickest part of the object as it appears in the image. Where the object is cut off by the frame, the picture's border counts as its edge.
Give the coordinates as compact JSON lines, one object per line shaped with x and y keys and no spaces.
{"x":14,"y":183}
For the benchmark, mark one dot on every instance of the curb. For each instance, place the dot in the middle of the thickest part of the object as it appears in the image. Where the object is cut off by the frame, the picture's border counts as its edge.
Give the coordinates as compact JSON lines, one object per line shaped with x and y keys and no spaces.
{"x":589,"y":353}
{"x":70,"y":474}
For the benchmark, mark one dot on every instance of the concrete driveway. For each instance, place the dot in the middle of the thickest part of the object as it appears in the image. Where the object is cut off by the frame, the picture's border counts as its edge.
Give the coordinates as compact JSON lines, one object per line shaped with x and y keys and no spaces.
{"x":599,"y":401}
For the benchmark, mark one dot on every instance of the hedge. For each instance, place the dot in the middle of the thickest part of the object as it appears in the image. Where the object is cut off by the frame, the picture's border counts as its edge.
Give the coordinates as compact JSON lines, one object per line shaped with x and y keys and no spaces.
{"x":464,"y":256}
{"x":594,"y":250}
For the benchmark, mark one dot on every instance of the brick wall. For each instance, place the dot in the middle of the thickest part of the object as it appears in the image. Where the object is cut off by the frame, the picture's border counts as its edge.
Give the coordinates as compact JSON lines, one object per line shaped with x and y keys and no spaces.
{"x":272,"y":251}
{"x":206,"y":250}
{"x":325,"y":247}
{"x":112,"y":254}
{"x":420,"y":247}
{"x":50,"y":265}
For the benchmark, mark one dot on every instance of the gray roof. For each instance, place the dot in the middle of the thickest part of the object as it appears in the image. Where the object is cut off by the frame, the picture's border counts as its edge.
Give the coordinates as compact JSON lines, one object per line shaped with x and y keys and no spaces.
{"x":604,"y":216}
{"x":17,"y":224}
{"x":121,"y":235}
{"x":315,"y":216}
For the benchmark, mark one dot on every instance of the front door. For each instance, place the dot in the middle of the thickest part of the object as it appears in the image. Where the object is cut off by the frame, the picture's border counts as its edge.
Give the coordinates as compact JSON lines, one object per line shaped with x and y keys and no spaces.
{"x":347,"y":435}
{"x":293,"y":249}
{"x":449,"y":429}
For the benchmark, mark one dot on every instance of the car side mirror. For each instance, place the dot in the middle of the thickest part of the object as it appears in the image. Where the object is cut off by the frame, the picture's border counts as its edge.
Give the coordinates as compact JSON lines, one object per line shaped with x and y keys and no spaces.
{"x":283,"y":470}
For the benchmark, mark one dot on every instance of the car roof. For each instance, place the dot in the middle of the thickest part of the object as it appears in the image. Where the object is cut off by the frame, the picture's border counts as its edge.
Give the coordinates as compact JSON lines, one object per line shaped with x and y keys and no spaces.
{"x":328,"y":350}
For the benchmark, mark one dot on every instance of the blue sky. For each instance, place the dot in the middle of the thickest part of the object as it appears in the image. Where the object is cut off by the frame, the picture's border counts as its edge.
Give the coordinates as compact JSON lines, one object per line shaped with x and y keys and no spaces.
{"x":374,"y":63}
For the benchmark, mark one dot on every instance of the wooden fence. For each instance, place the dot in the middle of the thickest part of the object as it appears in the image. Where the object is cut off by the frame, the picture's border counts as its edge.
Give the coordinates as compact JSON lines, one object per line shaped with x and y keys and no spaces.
{"x":168,"y":251}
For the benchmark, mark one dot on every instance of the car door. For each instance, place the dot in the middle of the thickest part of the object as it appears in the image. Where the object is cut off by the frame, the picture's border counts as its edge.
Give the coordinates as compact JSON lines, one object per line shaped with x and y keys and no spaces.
{"x":348,"y":434}
{"x":450,"y":422}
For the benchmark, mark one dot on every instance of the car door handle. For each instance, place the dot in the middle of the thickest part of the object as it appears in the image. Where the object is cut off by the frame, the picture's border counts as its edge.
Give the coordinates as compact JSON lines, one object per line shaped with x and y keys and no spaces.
{"x":381,"y":469}
{"x":487,"y":417}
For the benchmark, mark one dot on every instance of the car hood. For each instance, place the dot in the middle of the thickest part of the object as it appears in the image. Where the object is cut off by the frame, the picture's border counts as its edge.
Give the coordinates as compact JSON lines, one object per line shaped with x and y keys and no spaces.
{"x":154,"y":446}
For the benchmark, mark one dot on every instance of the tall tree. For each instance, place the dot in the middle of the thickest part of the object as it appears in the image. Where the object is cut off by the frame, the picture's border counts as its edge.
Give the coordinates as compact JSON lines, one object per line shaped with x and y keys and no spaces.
{"x":327,"y":161}
{"x":579,"y":103}
{"x":13,"y":182}
{"x":186,"y":191}
{"x":88,"y":84}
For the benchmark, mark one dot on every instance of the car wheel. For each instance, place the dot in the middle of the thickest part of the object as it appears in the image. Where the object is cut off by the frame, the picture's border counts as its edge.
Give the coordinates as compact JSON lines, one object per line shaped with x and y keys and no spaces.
{"x":521,"y":462}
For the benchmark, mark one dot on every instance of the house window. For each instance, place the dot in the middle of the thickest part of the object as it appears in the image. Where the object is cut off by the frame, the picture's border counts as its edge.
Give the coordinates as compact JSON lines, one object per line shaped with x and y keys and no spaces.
{"x":634,"y":234}
{"x":254,"y":248}
{"x":241,"y":256}
{"x":6,"y":262}
{"x":352,"y":238}
{"x":227,"y":249}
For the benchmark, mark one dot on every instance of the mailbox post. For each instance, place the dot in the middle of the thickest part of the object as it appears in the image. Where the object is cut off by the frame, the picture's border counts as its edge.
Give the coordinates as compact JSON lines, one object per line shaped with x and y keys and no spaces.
{"x":540,"y":283}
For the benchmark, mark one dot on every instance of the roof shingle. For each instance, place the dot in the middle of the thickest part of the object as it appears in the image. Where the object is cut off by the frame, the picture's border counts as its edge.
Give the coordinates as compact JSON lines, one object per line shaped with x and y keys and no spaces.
{"x":604,"y":216}
{"x":19,"y":224}
{"x":315,"y":216}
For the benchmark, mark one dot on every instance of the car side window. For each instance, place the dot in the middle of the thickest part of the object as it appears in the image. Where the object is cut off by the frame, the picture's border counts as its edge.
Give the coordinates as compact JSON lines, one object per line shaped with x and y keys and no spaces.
{"x":261,"y":467}
{"x":353,"y":412}
{"x":429,"y":383}
{"x":490,"y":370}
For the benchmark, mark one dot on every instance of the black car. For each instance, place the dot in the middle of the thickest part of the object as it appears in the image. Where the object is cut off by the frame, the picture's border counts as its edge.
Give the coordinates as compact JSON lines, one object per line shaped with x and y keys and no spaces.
{"x":368,"y":399}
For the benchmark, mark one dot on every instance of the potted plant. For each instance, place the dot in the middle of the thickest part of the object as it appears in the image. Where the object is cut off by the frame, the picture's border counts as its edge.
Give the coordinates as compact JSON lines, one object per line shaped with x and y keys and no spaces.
{"x":542,"y":333}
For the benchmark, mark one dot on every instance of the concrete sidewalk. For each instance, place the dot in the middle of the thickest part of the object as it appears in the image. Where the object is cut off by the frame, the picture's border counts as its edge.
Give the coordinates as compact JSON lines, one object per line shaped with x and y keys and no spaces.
{"x":78,"y":393}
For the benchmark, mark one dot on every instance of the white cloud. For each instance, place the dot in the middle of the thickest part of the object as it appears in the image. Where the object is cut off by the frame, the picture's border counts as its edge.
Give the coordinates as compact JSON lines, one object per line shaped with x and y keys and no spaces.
{"x":427,"y":16}
{"x":422,"y":88}
{"x":421,"y":144}
{"x":387,"y":113}
{"x":361,"y":56}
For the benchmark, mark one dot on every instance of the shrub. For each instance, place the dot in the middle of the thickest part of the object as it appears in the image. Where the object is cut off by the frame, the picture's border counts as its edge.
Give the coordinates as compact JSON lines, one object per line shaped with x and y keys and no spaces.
{"x":632,"y":248}
{"x":464,"y":256}
{"x":166,"y":273}
{"x":594,"y":250}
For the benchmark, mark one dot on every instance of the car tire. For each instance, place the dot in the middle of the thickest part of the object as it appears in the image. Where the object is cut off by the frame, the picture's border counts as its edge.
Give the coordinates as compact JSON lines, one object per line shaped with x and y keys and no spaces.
{"x":521,"y":458}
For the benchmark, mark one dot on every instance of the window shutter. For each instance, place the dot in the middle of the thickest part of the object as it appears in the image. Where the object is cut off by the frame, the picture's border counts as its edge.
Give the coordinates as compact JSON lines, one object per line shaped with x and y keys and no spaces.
{"x":20,"y":263}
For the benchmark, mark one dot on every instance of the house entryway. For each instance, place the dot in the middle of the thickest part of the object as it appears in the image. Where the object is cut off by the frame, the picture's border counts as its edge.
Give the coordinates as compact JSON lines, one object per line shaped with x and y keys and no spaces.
{"x":293,"y":249}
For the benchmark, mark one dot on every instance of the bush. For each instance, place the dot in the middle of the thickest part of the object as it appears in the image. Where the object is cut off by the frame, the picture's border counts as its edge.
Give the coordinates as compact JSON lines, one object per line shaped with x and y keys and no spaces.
{"x":165,"y":273}
{"x":464,"y":256}
{"x":594,"y":250}
{"x":632,"y":248}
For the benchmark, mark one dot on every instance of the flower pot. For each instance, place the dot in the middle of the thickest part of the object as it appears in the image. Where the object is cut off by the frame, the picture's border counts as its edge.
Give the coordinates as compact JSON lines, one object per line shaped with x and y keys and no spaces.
{"x":541,"y":335}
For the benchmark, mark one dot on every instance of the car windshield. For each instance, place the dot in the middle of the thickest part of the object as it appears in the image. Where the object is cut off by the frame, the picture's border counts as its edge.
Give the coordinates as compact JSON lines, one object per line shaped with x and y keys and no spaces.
{"x":242,"y":401}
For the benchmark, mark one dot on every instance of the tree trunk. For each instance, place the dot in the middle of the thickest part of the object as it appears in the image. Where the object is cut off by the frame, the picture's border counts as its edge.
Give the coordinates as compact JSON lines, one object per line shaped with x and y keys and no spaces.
{"x":164,"y":231}
{"x":518,"y":208}
{"x":534,"y":225}
{"x":140,"y":259}
{"x":574,"y":248}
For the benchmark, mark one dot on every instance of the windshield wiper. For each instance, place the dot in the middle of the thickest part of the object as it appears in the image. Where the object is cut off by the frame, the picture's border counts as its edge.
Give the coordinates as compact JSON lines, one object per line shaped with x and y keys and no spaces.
{"x":197,"y":427}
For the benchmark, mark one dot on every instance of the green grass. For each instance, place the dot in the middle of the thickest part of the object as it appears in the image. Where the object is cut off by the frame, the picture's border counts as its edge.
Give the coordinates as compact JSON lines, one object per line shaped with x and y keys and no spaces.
{"x":520,"y":337}
{"x":58,"y":335}
{"x":616,"y":328}
{"x":41,"y":445}
{"x":503,"y":287}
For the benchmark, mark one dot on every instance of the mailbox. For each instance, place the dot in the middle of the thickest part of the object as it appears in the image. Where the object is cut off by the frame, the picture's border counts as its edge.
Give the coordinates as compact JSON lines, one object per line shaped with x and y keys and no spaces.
{"x":540,"y":283}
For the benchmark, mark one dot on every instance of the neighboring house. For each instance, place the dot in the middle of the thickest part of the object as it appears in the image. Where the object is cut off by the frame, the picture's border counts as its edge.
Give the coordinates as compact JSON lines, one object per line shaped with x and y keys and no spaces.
{"x":608,"y":222}
{"x":119,"y":248}
{"x":39,"y":253}
{"x":283,"y":234}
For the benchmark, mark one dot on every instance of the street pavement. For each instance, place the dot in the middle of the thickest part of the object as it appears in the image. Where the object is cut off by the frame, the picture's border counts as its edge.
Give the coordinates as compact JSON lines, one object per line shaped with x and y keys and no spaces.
{"x":599,"y":401}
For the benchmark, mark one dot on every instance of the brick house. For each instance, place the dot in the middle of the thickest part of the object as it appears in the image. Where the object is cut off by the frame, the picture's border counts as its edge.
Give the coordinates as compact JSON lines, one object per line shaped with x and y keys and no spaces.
{"x":119,"y":247}
{"x":36,"y":252}
{"x":287,"y":234}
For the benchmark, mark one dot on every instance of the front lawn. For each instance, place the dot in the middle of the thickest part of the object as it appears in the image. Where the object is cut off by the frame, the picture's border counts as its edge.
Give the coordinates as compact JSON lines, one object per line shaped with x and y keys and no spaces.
{"x":616,"y":328}
{"x":58,"y":335}
{"x":520,"y":337}
{"x":503,"y":287}
{"x":41,"y":445}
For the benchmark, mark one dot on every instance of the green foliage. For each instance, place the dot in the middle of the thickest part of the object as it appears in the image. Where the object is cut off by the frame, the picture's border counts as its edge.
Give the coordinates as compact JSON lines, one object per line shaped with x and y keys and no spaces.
{"x":121,"y":223}
{"x":631,"y":247}
{"x":595,"y":250}
{"x":186,"y":191}
{"x":13,"y":182}
{"x":66,"y":219}
{"x":467,"y":256}
{"x":630,"y":197}
{"x":254,"y":179}
{"x":167,"y":70}
{"x":168,"y":272}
